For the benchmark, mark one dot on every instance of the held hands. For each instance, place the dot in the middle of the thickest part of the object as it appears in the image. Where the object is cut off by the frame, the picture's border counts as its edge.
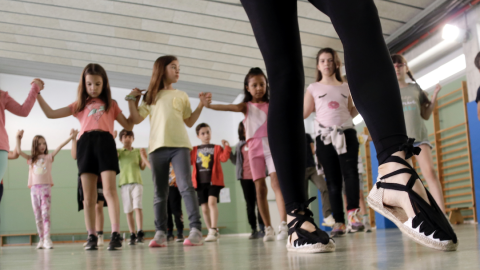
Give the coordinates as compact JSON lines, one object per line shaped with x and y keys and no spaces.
{"x":73,"y":134}
{"x":143,"y":153}
{"x":205,"y":99}
{"x":136,"y":92}
{"x":224,"y":143}
{"x":438,"y":87}
{"x":39,"y":83}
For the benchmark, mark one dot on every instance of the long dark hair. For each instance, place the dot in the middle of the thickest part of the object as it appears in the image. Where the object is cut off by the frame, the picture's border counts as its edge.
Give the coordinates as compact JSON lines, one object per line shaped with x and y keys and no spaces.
{"x":241,"y":131}
{"x":399,"y":59}
{"x":255,"y":72}
{"x":35,"y":144}
{"x":336,"y":61}
{"x":158,"y":75}
{"x":82,"y":95}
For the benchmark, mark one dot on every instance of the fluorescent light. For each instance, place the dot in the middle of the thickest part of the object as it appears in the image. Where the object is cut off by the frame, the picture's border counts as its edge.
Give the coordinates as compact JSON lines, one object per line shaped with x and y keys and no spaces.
{"x":430,"y":52}
{"x":450,"y":32}
{"x":443,"y":72}
{"x":357,"y":120}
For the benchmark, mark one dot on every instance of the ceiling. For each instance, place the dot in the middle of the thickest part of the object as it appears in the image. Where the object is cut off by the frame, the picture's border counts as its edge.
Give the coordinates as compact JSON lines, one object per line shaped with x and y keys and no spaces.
{"x":212,"y":39}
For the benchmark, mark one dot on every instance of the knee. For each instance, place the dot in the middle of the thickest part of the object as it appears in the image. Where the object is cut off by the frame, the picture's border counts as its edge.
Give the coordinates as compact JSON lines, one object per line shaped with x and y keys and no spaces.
{"x":262,"y":191}
{"x":212,"y":203}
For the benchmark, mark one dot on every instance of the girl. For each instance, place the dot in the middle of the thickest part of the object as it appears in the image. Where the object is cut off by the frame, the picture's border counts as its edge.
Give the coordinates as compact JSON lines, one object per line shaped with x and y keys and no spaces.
{"x":169,"y":110}
{"x":244,"y":174}
{"x":9,"y":104}
{"x":377,"y":98}
{"x":416,"y":109}
{"x":255,"y":108}
{"x":97,"y":152}
{"x":101,"y":202}
{"x":40,"y":183}
{"x":337,"y":143}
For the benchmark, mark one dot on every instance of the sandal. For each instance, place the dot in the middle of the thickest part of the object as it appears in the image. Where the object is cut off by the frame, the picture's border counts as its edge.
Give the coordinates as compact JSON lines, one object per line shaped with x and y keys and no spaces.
{"x":307,"y":242}
{"x":429,"y":227}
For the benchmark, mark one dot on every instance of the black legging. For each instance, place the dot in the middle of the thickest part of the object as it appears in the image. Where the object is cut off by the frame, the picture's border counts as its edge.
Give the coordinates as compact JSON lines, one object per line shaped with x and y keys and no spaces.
{"x":250,"y":195}
{"x":174,"y":207}
{"x":337,"y":168}
{"x":372,"y":81}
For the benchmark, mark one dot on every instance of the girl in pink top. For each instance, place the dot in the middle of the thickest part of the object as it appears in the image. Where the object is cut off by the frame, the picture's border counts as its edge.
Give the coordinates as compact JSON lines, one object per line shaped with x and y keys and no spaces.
{"x":96,"y":148}
{"x":40,"y":182}
{"x":336,"y":139}
{"x":255,"y":108}
{"x":9,"y":104}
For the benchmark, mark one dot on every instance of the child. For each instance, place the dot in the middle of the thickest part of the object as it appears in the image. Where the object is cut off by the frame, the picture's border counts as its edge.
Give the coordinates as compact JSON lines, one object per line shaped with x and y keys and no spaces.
{"x":97,"y":152}
{"x":208,"y":176}
{"x":244,"y":174}
{"x":9,"y":104}
{"x":255,"y":108}
{"x":131,"y":184}
{"x":336,"y":138}
{"x":169,"y":110}
{"x":40,"y":183}
{"x":101,"y":201}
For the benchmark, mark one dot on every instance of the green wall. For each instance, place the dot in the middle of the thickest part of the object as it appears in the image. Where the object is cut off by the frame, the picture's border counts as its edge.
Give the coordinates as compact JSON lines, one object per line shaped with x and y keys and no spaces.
{"x":16,"y":214}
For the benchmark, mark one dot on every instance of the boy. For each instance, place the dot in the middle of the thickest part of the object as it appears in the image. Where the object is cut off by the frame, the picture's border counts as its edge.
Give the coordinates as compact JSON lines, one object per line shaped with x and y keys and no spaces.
{"x":131,"y":184}
{"x":207,"y":176}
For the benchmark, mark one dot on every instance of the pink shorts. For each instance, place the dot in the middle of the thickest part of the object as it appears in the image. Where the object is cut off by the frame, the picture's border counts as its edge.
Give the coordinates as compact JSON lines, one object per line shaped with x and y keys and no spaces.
{"x":260,"y":157}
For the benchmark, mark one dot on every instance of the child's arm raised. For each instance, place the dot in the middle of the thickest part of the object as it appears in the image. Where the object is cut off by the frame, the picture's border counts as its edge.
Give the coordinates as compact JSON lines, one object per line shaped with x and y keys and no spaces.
{"x":13,"y":154}
{"x":50,"y":113}
{"x":74,"y":134}
{"x":19,"y":144}
{"x":241,"y":107}
{"x":225,"y":155}
{"x":135,"y":117}
{"x":204,"y":98}
{"x":63,"y":144}
{"x":23,"y":110}
{"x":143,"y":154}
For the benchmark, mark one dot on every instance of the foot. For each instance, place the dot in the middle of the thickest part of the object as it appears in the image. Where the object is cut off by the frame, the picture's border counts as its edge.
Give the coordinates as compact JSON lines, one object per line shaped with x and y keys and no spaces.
{"x":304,"y":235}
{"x":47,"y":243}
{"x":180,"y":238}
{"x":366,"y":222}
{"x":261,"y":233}
{"x":115,"y":241}
{"x":328,"y":221}
{"x":133,"y":239}
{"x":195,"y":238}
{"x":40,"y":244}
{"x":100,"y":242}
{"x":269,"y":234}
{"x":140,"y":237}
{"x":339,"y":229}
{"x":212,"y":236}
{"x":354,"y":223}
{"x":170,"y":237}
{"x":159,"y":240}
{"x":91,"y":242}
{"x":282,"y":231}
{"x":253,"y":235}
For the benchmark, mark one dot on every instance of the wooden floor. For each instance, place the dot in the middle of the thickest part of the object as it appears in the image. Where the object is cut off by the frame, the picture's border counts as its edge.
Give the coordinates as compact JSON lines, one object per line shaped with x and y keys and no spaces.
{"x":385,"y":249}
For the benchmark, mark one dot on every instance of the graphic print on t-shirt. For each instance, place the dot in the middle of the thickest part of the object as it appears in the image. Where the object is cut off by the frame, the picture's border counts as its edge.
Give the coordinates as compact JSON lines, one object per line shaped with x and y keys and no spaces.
{"x":96,"y":108}
{"x":205,"y":162}
{"x":39,"y":167}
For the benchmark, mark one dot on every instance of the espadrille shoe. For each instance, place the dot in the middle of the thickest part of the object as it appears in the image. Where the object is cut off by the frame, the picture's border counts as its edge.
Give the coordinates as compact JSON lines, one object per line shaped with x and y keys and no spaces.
{"x":429,"y":227}
{"x":307,"y":242}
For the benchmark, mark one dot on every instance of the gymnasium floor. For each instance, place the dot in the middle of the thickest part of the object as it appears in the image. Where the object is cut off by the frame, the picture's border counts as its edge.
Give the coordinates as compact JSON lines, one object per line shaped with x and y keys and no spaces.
{"x":378,"y":250}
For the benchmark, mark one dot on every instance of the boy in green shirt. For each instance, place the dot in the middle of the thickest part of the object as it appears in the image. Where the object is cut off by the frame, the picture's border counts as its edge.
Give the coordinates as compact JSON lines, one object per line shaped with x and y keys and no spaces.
{"x":131,"y":184}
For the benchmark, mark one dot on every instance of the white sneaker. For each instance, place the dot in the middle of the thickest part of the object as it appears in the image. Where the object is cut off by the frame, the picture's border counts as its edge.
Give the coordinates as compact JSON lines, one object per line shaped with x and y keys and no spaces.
{"x":269,"y":234}
{"x":47,"y":243}
{"x":100,"y":242}
{"x":212,"y":236}
{"x":328,"y":221}
{"x":40,"y":244}
{"x":282,"y":231}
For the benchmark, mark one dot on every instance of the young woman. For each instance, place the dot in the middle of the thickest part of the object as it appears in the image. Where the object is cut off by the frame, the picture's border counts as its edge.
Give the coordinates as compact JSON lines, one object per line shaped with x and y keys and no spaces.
{"x":376,"y":94}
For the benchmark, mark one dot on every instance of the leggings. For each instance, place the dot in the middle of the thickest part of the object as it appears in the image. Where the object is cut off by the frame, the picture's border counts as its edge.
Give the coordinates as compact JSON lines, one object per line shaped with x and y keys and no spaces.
{"x":250,"y":195}
{"x":337,"y":168}
{"x":41,"y":203}
{"x":371,"y":76}
{"x":174,"y":205}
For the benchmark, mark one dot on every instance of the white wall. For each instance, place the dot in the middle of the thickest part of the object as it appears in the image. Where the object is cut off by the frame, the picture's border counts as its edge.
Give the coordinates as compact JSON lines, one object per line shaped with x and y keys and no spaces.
{"x":61,"y":93}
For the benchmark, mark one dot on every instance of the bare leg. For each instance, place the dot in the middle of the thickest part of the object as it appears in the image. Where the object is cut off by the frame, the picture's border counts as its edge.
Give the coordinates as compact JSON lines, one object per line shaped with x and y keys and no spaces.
{"x":278,"y":196}
{"x":425,"y":161}
{"x":206,"y":215}
{"x":99,"y":218}
{"x":212,"y":206}
{"x":262,"y":203}
{"x":89,"y":184}
{"x":110,"y":193}
{"x":139,"y":218}
{"x":131,"y":222}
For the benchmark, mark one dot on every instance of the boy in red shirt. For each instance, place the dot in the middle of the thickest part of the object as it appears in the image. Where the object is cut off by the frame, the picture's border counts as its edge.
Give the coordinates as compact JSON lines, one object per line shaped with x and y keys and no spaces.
{"x":207,"y":176}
